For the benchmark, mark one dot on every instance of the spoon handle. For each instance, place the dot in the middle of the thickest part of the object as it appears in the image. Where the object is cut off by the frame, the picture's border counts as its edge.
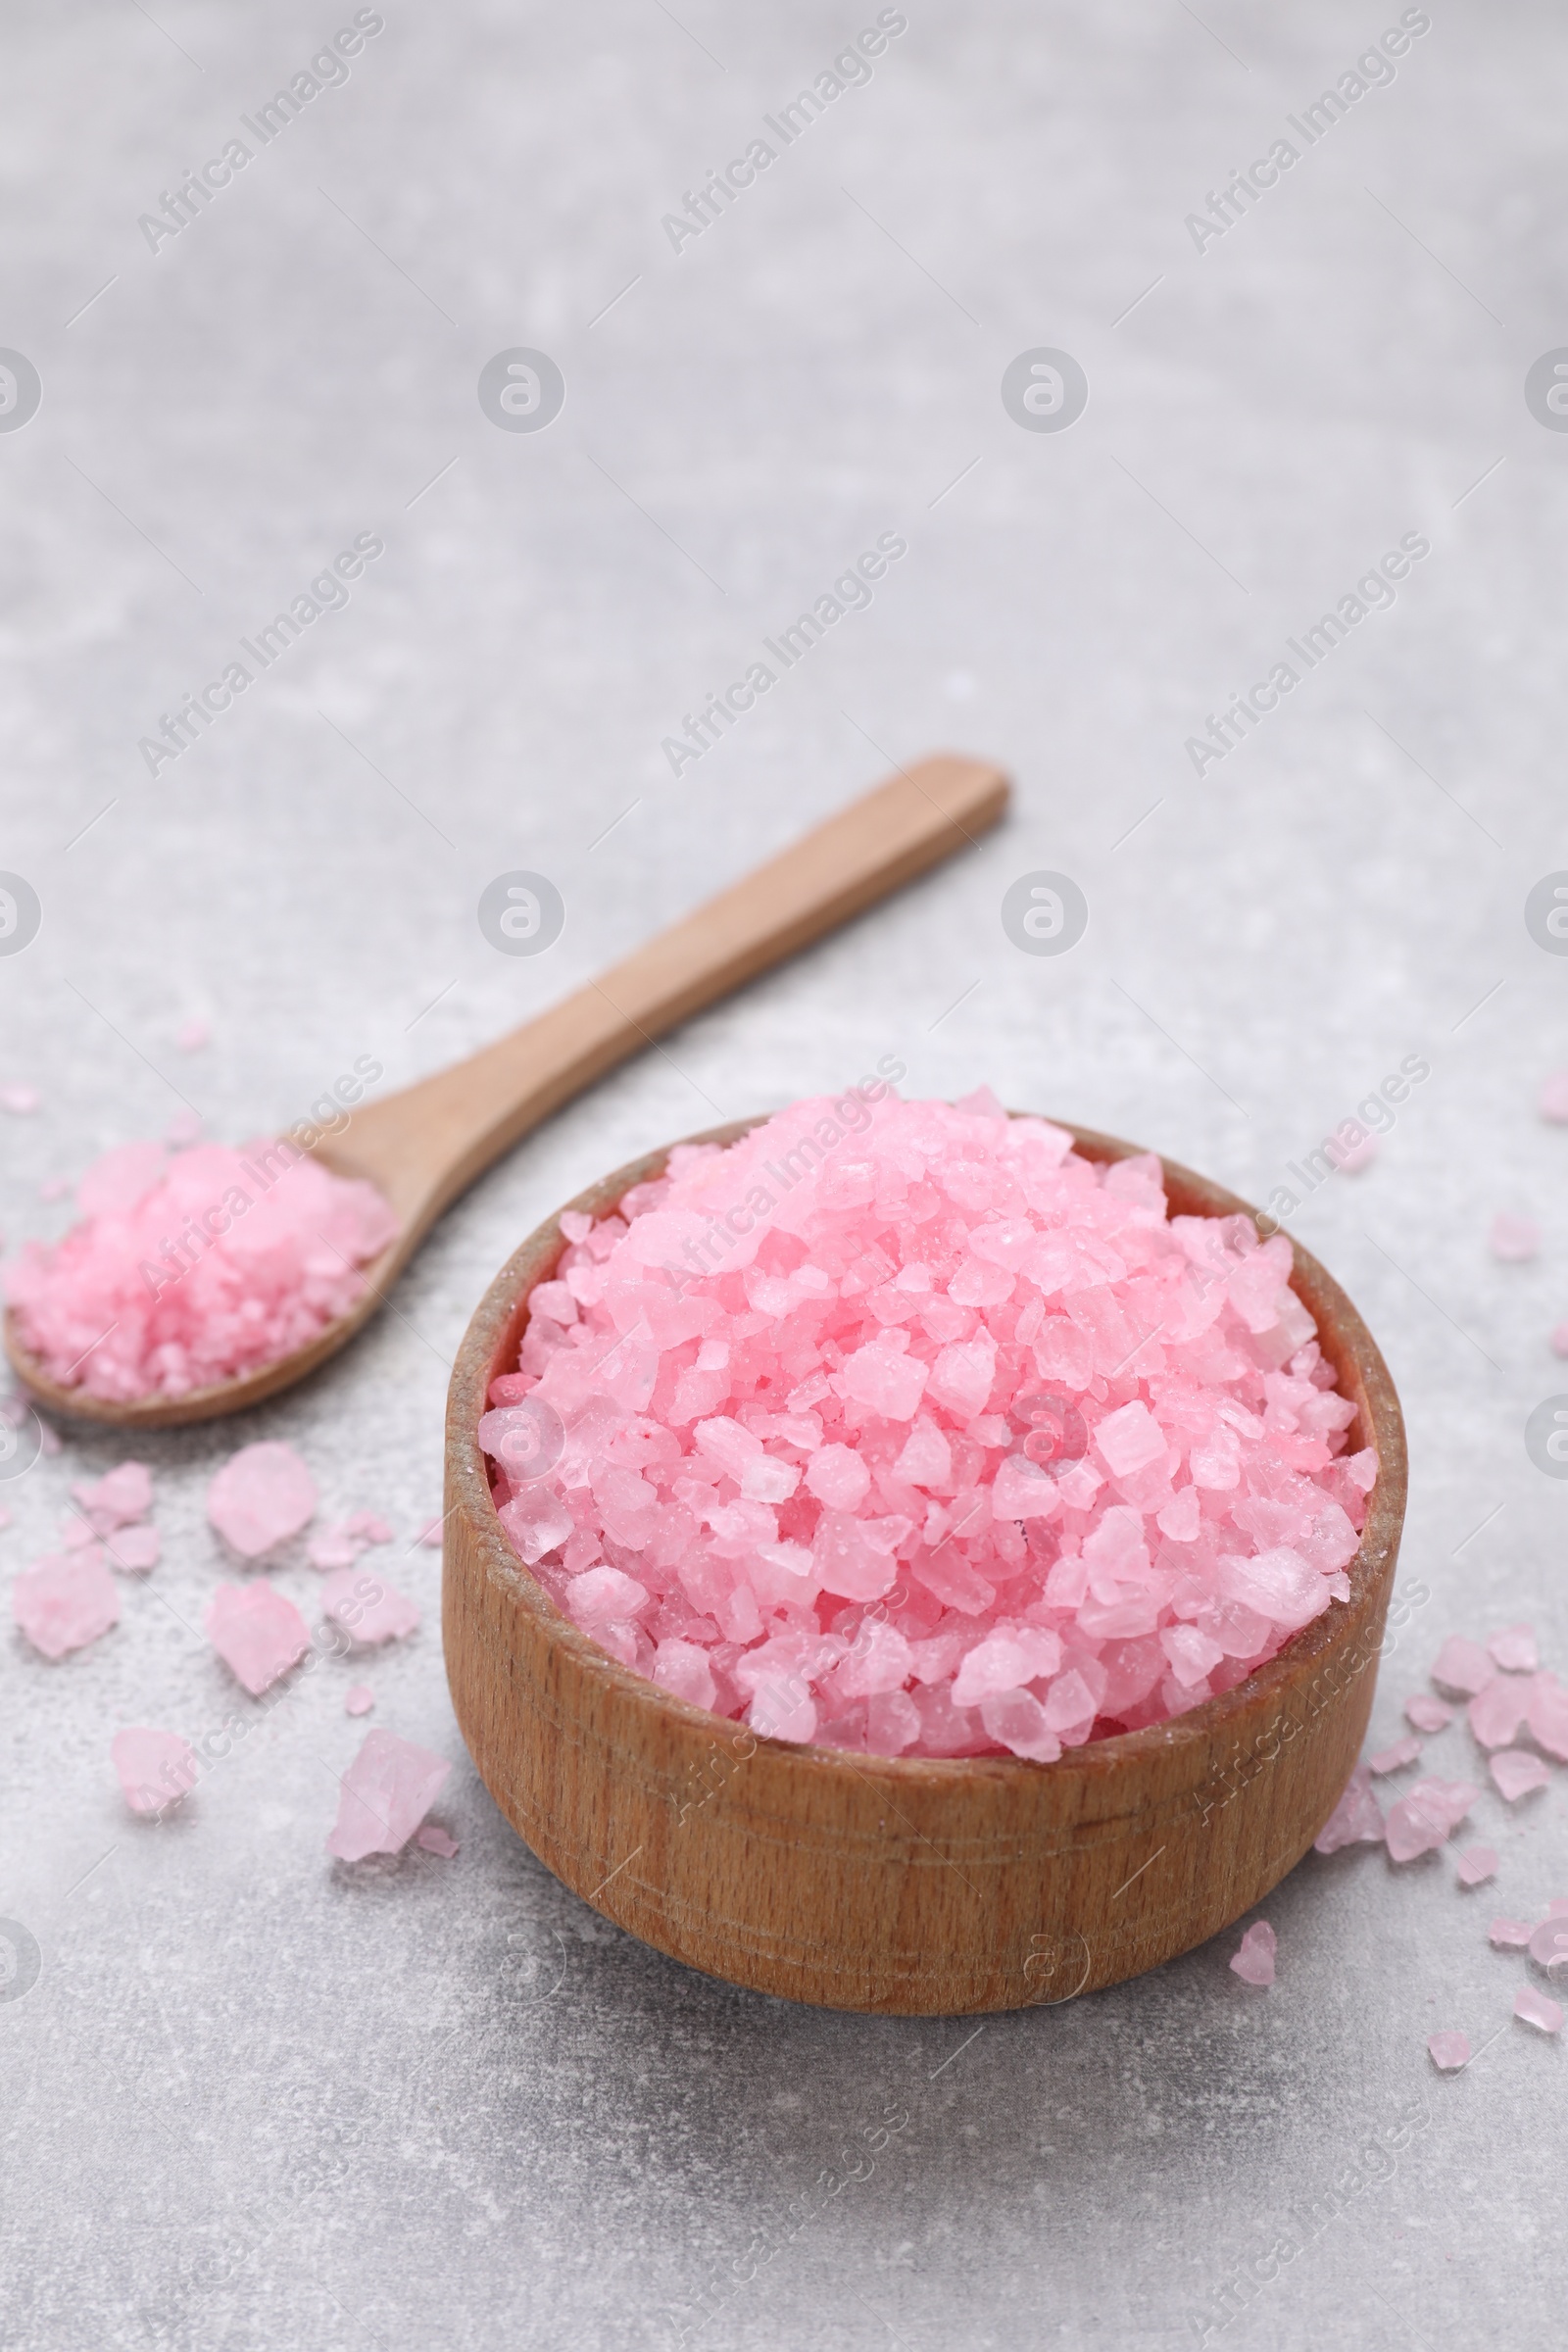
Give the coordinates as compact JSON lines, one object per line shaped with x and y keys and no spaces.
{"x":425,"y":1144}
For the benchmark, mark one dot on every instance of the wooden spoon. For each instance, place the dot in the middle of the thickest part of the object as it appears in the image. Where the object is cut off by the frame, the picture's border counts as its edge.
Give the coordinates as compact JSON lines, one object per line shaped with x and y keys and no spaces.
{"x":425,"y":1145}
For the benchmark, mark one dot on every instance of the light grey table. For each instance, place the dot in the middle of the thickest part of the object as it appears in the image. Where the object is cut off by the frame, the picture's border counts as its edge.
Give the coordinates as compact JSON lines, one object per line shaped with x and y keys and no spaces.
{"x":253,"y":2101}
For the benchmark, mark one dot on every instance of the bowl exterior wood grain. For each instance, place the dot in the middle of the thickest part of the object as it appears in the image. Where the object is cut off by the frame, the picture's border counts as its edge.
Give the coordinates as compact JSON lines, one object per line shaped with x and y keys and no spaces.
{"x":890,"y":1883}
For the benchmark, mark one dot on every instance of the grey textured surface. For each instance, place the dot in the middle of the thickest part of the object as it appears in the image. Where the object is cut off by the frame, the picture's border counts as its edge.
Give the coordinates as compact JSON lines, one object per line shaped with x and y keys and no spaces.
{"x":255,"y":2100}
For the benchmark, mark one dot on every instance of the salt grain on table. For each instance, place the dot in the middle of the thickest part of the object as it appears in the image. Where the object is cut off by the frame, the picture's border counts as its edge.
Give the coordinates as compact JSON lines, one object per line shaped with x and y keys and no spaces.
{"x":386,"y":1793}
{"x":261,"y":1496}
{"x":1449,"y":2052}
{"x":65,"y":1601}
{"x":1254,"y":1961}
{"x":156,"y":1767}
{"x":1517,"y":1773}
{"x":1477,"y":1864}
{"x":1427,"y":1713}
{"x":1536,"y":2010}
{"x":257,"y":1632}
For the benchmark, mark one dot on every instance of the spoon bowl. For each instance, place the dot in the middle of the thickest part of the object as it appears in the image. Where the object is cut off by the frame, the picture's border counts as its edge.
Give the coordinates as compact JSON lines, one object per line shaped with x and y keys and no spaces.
{"x":912,"y":1886}
{"x":422,"y":1146}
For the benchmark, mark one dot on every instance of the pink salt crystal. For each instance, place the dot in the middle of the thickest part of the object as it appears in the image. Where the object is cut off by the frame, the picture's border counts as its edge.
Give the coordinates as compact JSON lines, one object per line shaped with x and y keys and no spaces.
{"x":1548,"y":1947}
{"x":192,"y":1035}
{"x":1449,"y":2052}
{"x":156,"y":1767}
{"x":19,"y":1100}
{"x":119,"y":1499}
{"x":1546,"y":1713}
{"x":1536,"y":2010}
{"x":1515,"y":1651}
{"x":1552,"y":1099}
{"x":268,"y":1251}
{"x":1426,"y":1817}
{"x":358,"y":1700}
{"x":369,"y":1526}
{"x":1427,"y":1713}
{"x":1254,"y":1961}
{"x":1559,"y":1339}
{"x":1509,"y":1935}
{"x":1513,"y":1238}
{"x":261,"y":1496}
{"x":65,"y":1601}
{"x":257,"y":1632}
{"x":1496,"y":1712}
{"x":1462,"y":1666}
{"x":366,"y":1608}
{"x":1394,"y":1759}
{"x":1557,"y":1906}
{"x":1518,"y":1773}
{"x":137,"y":1549}
{"x":386,"y":1793}
{"x":1353,"y":1159}
{"x":1356,"y":1820}
{"x":1477,"y":1864}
{"x":333,"y":1548}
{"x":436,"y":1840}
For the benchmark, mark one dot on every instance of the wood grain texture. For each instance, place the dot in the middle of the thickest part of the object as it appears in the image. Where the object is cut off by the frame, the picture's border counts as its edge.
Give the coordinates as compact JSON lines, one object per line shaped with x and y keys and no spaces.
{"x":902,"y":1885}
{"x":425,"y":1145}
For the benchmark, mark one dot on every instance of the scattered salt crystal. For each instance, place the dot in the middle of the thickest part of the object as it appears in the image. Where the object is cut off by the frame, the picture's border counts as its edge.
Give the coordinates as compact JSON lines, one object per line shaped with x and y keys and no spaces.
{"x":386,"y":1793}
{"x":65,"y":1601}
{"x":1536,"y":2010}
{"x":1352,"y":1158}
{"x":1515,"y":1651}
{"x":1514,"y":1239}
{"x":1510,"y":1934}
{"x":1394,"y":1759}
{"x":1496,"y":1712}
{"x":1552,"y":1099}
{"x":118,"y":1499}
{"x":1462,"y":1666}
{"x":369,"y":1526}
{"x":1477,"y":1864}
{"x":137,"y":1549}
{"x":194,"y":1270}
{"x":1254,"y":1961}
{"x":192,"y":1035}
{"x":1546,"y":1714}
{"x":952,"y":1380}
{"x":19,"y":1100}
{"x":1427,"y":1817}
{"x":1557,"y":1906}
{"x":366,"y":1608}
{"x":261,"y":1496}
{"x":1548,"y":1947}
{"x":1559,"y":1339}
{"x":1518,"y":1773}
{"x":436,"y":1840}
{"x":1449,"y":2052}
{"x":156,"y":1767}
{"x":1427,"y":1713}
{"x":430,"y":1534}
{"x":257,"y":1632}
{"x":1356,"y":1820}
{"x":333,"y":1548}
{"x":358,"y":1700}
{"x":77,"y":1533}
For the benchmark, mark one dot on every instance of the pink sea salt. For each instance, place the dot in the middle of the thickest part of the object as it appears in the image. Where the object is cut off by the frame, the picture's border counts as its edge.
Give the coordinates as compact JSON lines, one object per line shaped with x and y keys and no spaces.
{"x":1546,"y":1714}
{"x":1535,"y":2009}
{"x":916,"y":1370}
{"x":1477,"y":1864}
{"x":358,"y":1700}
{"x":261,"y":1496}
{"x":257,"y":1632}
{"x":386,"y":1793}
{"x":1518,"y":1773}
{"x":1509,"y":1935}
{"x":1496,"y":1712}
{"x":193,"y":1269}
{"x":1449,"y":2052}
{"x":1515,"y":1649}
{"x":1254,"y":1961}
{"x":1463,"y":1666}
{"x":135,"y":1550}
{"x":1394,"y":1759}
{"x":1513,"y":1238}
{"x":366,"y":1608}
{"x":118,"y":1499}
{"x":1427,"y":1817}
{"x":65,"y":1601}
{"x":436,"y":1840}
{"x":1356,"y":1820}
{"x":1427,"y":1713}
{"x":156,"y":1767}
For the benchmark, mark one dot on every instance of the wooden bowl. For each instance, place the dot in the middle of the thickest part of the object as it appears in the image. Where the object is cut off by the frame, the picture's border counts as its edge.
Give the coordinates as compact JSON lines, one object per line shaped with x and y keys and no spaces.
{"x":903,"y":1884}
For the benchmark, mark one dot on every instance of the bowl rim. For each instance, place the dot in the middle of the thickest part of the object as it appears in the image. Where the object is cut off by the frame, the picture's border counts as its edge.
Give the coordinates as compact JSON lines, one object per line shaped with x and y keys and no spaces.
{"x":495,"y":1330}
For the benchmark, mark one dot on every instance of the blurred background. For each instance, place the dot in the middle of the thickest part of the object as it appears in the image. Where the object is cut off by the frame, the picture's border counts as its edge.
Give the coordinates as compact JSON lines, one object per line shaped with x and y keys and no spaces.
{"x":999,"y":295}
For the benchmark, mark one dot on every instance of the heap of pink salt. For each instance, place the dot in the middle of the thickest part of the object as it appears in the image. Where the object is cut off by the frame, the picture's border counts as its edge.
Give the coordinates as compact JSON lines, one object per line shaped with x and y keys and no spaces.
{"x":901,"y":1427}
{"x":155,"y":1769}
{"x":386,"y":1793}
{"x":196,"y":1268}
